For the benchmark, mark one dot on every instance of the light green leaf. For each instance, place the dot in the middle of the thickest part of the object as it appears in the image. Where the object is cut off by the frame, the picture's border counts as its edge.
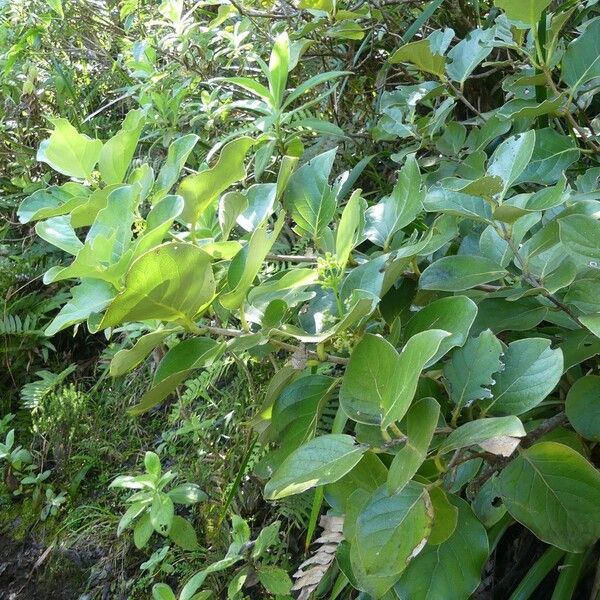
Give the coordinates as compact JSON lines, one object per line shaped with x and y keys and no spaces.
{"x":247,"y":263}
{"x":439,"y":199}
{"x":260,"y":200}
{"x":583,"y":407}
{"x":427,"y":55}
{"x":453,"y":565}
{"x":350,"y":227}
{"x":162,"y":512}
{"x":187,"y":494}
{"x":201,"y":190}
{"x":278,"y":67}
{"x":320,"y":461}
{"x":511,"y":158}
{"x":460,"y":272}
{"x":90,"y":296}
{"x":177,"y":154}
{"x":581,"y":61}
{"x":454,"y":314}
{"x":118,"y":151}
{"x":445,"y":517}
{"x":468,"y":54}
{"x":397,"y":210}
{"x":552,"y":154}
{"x":309,"y":198}
{"x":70,"y":152}
{"x":531,"y":371}
{"x":142,"y":531}
{"x":555,"y":492}
{"x":161,"y":591}
{"x":127,"y":359}
{"x":482,"y":430}
{"x":525,"y":11}
{"x":52,"y":202}
{"x":58,"y":232}
{"x":172,"y":282}
{"x":469,"y":373}
{"x":400,"y":391}
{"x":57,"y":7}
{"x":421,"y":421}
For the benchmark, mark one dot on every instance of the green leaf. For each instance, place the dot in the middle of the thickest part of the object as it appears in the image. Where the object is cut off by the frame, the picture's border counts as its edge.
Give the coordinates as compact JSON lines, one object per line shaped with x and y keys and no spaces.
{"x":581,"y":61}
{"x":399,"y":392}
{"x":468,"y":54}
{"x":365,"y":379}
{"x":397,"y":210}
{"x":470,"y":370}
{"x":183,"y":534}
{"x":580,"y":234}
{"x":70,"y":152}
{"x":58,"y":232}
{"x":89,"y":297}
{"x":274,"y":579}
{"x":152,"y":464}
{"x":309,"y":198}
{"x":454,"y":565}
{"x":322,"y":460}
{"x":201,"y":190}
{"x":525,"y":11}
{"x":450,"y":202}
{"x":482,"y":430}
{"x":127,"y":359}
{"x":552,"y":154}
{"x":390,"y":531}
{"x":583,"y":407}
{"x":511,"y":158}
{"x":187,"y":494}
{"x":175,"y":367}
{"x":460,"y":272}
{"x":554,"y":492}
{"x":161,"y":591}
{"x":178,"y":153}
{"x":162,"y":512}
{"x":445,"y":517}
{"x":172,"y":282}
{"x":454,"y":314}
{"x":132,"y":513}
{"x":424,"y":55}
{"x":52,"y":202}
{"x":531,"y":371}
{"x":118,"y":151}
{"x":278,"y":67}
{"x":350,"y":227}
{"x":247,"y":263}
{"x":57,"y":7}
{"x":142,"y":531}
{"x":421,"y":421}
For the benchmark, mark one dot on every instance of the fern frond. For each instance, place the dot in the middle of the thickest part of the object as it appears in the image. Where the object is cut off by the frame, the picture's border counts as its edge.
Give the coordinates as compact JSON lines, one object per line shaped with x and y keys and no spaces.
{"x":33,"y":392}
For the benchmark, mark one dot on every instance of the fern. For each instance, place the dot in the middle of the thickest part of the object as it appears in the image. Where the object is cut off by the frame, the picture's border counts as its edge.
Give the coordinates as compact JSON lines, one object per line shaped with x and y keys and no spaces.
{"x":32,"y":393}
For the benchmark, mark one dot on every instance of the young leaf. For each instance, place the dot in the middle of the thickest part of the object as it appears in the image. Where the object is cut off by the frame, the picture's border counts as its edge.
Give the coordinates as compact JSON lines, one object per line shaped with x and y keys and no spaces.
{"x":322,"y":460}
{"x":278,"y":67}
{"x":162,"y":512}
{"x":350,"y":227}
{"x":201,"y":190}
{"x":397,"y":210}
{"x":554,"y":492}
{"x":70,"y":152}
{"x":308,"y":196}
{"x":177,"y":154}
{"x":118,"y":151}
{"x":524,"y":11}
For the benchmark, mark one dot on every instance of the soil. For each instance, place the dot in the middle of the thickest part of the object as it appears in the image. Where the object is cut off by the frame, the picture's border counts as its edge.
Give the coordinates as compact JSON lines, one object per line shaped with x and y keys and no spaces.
{"x":25,"y":574}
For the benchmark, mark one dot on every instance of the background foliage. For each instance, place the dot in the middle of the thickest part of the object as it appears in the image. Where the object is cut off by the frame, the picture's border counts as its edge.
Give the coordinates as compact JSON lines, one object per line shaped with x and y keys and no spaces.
{"x":314,"y":284}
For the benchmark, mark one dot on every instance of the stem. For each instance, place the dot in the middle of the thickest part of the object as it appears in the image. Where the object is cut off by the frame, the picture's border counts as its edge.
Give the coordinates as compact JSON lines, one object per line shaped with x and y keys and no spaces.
{"x":537,"y":573}
{"x":570,"y":573}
